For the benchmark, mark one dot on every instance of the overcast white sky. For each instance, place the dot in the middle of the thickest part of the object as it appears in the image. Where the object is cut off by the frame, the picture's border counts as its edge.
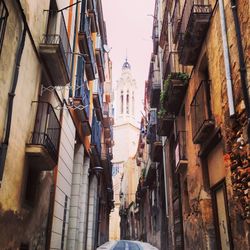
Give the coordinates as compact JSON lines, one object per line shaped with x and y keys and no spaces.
{"x":129,"y":27}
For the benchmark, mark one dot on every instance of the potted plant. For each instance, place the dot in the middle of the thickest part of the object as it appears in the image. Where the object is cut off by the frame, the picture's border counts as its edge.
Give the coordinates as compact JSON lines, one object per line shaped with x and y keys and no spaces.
{"x":174,"y":90}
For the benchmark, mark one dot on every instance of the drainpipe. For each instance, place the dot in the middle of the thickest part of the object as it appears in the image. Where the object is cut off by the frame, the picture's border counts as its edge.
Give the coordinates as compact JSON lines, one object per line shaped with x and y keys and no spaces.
{"x":226,"y":59}
{"x":73,"y":49}
{"x":5,"y":143}
{"x":243,"y":72}
{"x":163,"y":138}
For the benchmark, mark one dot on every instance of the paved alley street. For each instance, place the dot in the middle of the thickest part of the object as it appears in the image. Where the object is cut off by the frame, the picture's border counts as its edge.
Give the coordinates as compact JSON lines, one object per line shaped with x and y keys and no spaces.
{"x":126,"y":245}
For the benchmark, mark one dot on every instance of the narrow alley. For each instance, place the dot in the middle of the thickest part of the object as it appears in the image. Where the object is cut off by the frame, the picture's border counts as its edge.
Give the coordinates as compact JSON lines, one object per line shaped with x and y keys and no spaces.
{"x":126,"y":245}
{"x":124,"y":125}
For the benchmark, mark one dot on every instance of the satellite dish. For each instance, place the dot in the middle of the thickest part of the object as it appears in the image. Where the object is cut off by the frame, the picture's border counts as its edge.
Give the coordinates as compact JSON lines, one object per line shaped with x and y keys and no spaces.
{"x":107,"y":48}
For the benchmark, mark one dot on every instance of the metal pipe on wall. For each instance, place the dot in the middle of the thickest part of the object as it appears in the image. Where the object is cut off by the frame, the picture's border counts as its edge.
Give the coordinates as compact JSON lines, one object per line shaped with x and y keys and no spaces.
{"x":226,"y":59}
{"x":161,"y":83}
{"x":4,"y":145}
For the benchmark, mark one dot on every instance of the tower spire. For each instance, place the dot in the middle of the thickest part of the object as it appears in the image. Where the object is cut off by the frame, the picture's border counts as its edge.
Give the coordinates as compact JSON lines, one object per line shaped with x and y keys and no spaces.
{"x":126,"y":64}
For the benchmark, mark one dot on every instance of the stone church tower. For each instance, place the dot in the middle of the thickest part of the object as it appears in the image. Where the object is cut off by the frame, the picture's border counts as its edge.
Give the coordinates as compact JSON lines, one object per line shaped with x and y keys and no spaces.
{"x":126,"y":134}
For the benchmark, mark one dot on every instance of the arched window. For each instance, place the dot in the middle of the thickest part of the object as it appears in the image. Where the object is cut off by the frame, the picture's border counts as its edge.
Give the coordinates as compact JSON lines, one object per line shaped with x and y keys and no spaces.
{"x":121,"y":109}
{"x":133,"y":103}
{"x":127,"y":102}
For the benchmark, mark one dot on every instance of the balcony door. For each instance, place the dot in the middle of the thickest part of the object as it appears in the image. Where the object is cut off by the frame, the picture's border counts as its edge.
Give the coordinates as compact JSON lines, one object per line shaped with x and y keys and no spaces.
{"x":217,"y":174}
{"x":221,"y":217}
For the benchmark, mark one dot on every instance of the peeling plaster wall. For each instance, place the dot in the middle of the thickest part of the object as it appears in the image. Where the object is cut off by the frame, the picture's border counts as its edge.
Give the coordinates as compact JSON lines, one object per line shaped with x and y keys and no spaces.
{"x":199,"y":222}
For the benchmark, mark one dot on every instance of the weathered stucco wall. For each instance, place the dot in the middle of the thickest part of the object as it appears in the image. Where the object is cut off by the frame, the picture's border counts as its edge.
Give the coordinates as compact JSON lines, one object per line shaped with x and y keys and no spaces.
{"x":198,"y":224}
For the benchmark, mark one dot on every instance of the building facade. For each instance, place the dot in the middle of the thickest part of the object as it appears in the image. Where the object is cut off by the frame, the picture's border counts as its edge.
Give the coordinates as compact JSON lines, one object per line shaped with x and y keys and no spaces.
{"x":56,"y":188}
{"x":201,"y":49}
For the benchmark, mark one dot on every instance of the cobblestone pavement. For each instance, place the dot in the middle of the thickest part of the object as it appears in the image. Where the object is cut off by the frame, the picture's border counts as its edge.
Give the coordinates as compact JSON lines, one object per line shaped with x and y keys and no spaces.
{"x":126,"y":245}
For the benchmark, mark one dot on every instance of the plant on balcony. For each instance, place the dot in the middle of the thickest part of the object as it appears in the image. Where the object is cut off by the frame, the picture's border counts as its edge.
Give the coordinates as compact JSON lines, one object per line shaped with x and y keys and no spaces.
{"x":173,"y":91}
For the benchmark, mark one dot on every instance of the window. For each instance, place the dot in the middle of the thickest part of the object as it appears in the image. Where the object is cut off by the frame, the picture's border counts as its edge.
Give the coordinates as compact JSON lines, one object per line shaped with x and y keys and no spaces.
{"x":32,"y":186}
{"x":3,"y":20}
{"x":24,"y":246}
{"x":127,"y":103}
{"x":121,"y":102}
{"x":201,"y":115}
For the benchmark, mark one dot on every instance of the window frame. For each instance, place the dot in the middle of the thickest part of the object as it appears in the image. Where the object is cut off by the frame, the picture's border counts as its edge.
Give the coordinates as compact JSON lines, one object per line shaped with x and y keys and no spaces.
{"x":4,"y":13}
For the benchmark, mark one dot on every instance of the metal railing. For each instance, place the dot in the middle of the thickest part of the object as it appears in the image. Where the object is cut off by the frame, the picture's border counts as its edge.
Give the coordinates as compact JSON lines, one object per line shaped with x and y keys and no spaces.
{"x":96,"y":133}
{"x":81,"y":89}
{"x":193,"y":7}
{"x":98,"y":89}
{"x":56,"y":33}
{"x":99,"y":47}
{"x":85,"y":28}
{"x":200,"y":107}
{"x":47,"y":129}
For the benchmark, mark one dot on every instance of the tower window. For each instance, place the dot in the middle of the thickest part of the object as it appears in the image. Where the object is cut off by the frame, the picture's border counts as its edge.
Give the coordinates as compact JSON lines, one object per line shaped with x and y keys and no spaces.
{"x":121,"y":102}
{"x":127,"y":103}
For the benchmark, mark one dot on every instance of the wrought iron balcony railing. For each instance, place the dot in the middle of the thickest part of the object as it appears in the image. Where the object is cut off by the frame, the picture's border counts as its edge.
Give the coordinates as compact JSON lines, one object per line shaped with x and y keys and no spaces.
{"x":55,"y":47}
{"x":81,"y":89}
{"x":97,"y":99}
{"x":194,"y":24}
{"x":201,"y":114}
{"x":100,"y":58}
{"x":46,"y":133}
{"x":86,"y":46}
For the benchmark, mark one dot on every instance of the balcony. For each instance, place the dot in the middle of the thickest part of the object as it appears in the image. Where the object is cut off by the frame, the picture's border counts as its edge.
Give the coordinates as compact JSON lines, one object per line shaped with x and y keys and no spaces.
{"x":150,"y":172}
{"x":86,"y":46}
{"x":100,"y":59}
{"x":42,"y":148}
{"x":106,"y":121}
{"x":174,"y":89}
{"x":203,"y":123}
{"x":97,"y":99}
{"x":155,"y":38}
{"x":107,"y":129}
{"x":176,"y":21}
{"x":165,"y":125}
{"x":156,"y":151}
{"x":195,"y":22}
{"x":155,"y":94}
{"x":181,"y":152}
{"x":107,"y":91}
{"x":55,"y":49}
{"x":91,"y":7}
{"x":95,"y":147}
{"x":106,"y":162}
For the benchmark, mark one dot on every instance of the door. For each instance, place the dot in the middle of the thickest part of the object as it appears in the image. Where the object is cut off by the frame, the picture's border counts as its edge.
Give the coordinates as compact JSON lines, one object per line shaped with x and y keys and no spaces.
{"x":221,"y":217}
